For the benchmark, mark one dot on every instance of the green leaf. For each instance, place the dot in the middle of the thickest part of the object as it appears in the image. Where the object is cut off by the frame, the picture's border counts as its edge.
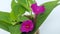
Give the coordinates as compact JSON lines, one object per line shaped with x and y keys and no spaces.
{"x":15,"y":29}
{"x":13,"y":4}
{"x":4,"y":16}
{"x":17,"y":10}
{"x":22,"y":18}
{"x":13,"y":7}
{"x":26,"y":3}
{"x":49,"y":6}
{"x":4,"y":25}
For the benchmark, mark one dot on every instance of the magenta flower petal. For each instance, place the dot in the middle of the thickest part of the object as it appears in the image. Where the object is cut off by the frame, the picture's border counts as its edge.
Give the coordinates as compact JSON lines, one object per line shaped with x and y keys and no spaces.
{"x":27,"y":26}
{"x":37,"y":9}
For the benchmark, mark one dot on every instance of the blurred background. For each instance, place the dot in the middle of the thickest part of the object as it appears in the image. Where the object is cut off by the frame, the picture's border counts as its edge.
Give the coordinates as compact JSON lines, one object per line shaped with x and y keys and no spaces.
{"x":50,"y":26}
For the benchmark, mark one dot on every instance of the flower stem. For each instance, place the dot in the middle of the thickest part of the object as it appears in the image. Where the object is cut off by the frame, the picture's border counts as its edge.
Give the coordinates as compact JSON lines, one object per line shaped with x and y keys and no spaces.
{"x":35,"y":18}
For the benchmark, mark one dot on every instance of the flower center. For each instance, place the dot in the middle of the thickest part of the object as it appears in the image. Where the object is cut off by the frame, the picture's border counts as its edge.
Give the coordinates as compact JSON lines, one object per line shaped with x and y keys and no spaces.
{"x":27,"y":26}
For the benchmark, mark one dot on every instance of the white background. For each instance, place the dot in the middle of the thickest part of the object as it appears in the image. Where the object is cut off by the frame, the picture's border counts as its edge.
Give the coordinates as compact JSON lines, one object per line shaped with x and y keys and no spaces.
{"x":50,"y":26}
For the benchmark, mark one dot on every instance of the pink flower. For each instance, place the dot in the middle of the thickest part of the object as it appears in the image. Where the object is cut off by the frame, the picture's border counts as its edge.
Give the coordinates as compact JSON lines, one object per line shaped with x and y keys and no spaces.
{"x":27,"y":26}
{"x":37,"y":9}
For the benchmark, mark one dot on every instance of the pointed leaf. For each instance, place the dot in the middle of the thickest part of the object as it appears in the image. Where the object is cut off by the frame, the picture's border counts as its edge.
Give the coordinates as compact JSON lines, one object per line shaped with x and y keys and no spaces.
{"x":22,"y":18}
{"x":17,"y":10}
{"x":49,"y":6}
{"x":4,"y":25}
{"x":15,"y":29}
{"x":26,"y":3}
{"x":4,"y":16}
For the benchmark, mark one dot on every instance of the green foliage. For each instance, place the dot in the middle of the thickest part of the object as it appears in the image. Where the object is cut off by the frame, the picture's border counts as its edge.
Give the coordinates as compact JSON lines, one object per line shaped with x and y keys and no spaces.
{"x":42,"y":17}
{"x":26,"y":3}
{"x":4,"y":16}
{"x":22,"y":18}
{"x":17,"y":10}
{"x":4,"y":25}
{"x":15,"y":29}
{"x":9,"y":21}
